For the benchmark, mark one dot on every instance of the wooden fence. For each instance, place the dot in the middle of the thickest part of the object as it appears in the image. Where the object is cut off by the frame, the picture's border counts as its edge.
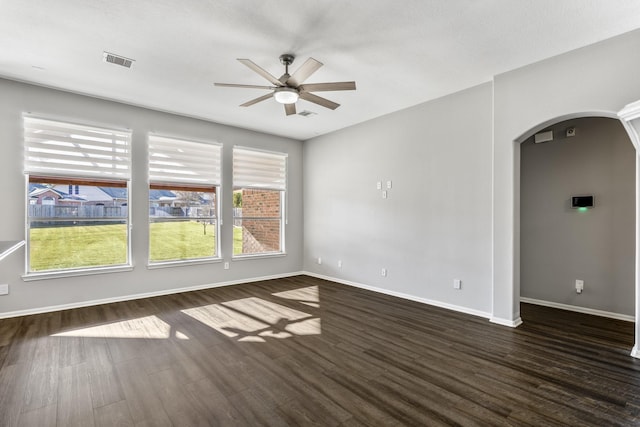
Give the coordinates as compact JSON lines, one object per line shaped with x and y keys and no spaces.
{"x":89,"y":212}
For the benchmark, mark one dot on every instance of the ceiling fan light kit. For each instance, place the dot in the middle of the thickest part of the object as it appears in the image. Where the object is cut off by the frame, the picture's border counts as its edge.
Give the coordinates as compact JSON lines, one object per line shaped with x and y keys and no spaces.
{"x":289,"y":88}
{"x":286,"y":95}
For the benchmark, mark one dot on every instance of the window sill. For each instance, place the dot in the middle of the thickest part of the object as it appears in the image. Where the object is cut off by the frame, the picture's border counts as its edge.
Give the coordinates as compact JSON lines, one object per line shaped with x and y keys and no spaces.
{"x":168,"y":264}
{"x":72,"y":273}
{"x":257,"y":256}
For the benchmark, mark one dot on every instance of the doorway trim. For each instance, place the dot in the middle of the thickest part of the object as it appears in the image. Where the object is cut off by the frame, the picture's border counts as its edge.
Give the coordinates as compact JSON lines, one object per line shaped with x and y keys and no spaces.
{"x":629,"y":116}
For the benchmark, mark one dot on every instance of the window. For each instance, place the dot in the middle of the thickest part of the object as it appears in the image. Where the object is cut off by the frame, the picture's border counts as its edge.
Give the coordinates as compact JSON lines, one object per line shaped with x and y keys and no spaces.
{"x":259,"y":185}
{"x":78,"y":179}
{"x":184,"y":180}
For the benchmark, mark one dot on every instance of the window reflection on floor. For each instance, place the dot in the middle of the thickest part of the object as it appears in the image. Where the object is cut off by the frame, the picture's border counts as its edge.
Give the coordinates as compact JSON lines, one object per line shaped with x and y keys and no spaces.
{"x":150,"y":327}
{"x":308,"y":296}
{"x":254,"y":319}
{"x":251,"y":319}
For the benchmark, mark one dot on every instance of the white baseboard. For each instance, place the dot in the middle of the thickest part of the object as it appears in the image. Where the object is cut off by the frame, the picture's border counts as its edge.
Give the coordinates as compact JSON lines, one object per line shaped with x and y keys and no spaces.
{"x":635,"y":352}
{"x":578,"y":309}
{"x":506,"y":322}
{"x":52,"y":308}
{"x":440,"y":304}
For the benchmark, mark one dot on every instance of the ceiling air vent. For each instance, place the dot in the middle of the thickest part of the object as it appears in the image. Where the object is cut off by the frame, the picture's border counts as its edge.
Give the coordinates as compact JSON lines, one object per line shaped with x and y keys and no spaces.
{"x":117,"y":59}
{"x":306,"y":113}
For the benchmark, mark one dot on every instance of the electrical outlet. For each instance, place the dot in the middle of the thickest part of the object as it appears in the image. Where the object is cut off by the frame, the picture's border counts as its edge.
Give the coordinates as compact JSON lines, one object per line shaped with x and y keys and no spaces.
{"x":226,"y":265}
{"x":379,"y":185}
{"x":389,"y":184}
{"x":457,"y":284}
{"x":383,"y":272}
{"x":4,"y":289}
{"x":579,"y":286}
{"x":319,"y":261}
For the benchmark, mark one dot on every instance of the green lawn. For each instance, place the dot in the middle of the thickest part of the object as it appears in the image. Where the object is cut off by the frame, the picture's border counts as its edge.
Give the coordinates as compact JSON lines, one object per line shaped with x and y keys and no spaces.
{"x":181,"y":240}
{"x":100,"y":245}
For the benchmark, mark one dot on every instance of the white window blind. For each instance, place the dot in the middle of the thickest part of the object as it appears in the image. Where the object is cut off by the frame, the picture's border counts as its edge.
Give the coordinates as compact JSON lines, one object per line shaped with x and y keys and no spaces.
{"x":189,"y":163}
{"x":259,"y":169}
{"x":55,"y":148}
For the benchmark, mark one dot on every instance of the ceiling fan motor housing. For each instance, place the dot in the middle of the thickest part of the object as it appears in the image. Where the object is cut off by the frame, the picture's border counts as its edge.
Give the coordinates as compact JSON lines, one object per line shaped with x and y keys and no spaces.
{"x":286,"y":59}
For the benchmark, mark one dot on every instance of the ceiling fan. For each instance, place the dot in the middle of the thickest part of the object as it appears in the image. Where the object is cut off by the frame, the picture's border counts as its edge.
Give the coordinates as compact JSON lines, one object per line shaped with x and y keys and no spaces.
{"x":289,"y":88}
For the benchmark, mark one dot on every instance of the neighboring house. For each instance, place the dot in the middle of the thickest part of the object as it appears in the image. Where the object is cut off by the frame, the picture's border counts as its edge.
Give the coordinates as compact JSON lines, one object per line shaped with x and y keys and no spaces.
{"x":118,"y":195}
{"x":90,"y":195}
{"x":159,"y":198}
{"x":43,"y":195}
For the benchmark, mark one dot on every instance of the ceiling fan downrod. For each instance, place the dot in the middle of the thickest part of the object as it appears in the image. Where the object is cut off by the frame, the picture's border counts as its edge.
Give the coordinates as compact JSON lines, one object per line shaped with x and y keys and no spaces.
{"x":286,"y":59}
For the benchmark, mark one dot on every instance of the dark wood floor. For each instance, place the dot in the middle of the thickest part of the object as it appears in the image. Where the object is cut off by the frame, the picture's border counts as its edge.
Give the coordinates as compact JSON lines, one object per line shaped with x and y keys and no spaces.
{"x":303,"y":351}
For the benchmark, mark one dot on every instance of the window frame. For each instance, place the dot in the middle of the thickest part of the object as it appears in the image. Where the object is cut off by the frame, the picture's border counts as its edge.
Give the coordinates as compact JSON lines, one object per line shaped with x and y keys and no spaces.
{"x":281,"y":186}
{"x":159,"y":180}
{"x":52,"y":169}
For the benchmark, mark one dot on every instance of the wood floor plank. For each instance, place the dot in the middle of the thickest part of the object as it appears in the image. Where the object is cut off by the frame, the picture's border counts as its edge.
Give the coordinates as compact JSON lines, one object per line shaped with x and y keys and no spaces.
{"x":42,"y":383}
{"x":104,"y":385}
{"x":144,"y":404}
{"x":74,"y":397}
{"x":256,"y":410}
{"x":170,"y":389}
{"x":113,"y":415}
{"x":11,"y":393}
{"x":306,"y":351}
{"x":209,"y":401}
{"x":41,"y":417}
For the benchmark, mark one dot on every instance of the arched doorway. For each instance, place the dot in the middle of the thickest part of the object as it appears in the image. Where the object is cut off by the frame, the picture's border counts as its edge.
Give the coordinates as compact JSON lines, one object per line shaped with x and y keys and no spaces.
{"x":561,"y":244}
{"x":506,"y":285}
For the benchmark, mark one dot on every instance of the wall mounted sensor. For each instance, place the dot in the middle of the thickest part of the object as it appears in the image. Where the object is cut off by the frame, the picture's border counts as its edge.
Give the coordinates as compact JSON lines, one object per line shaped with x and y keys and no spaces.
{"x":541,"y":137}
{"x":570,"y":132}
{"x":581,"y":202}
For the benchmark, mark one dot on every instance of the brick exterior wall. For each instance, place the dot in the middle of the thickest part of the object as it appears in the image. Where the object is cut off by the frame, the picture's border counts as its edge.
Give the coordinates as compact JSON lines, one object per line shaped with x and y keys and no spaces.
{"x":260,"y":235}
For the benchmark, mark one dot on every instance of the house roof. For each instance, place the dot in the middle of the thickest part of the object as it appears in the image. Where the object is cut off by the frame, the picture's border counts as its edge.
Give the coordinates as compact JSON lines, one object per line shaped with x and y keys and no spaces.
{"x":37,"y":191}
{"x":115,"y":193}
{"x":156,"y":195}
{"x":399,"y":54}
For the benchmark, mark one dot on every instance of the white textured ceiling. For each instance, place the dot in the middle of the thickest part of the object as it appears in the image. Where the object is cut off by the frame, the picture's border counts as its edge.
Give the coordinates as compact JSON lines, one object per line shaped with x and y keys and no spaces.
{"x":400,"y":53}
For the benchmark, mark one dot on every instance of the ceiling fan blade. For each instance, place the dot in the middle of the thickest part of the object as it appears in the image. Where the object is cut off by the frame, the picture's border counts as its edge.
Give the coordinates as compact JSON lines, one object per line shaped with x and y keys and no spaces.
{"x":309,"y":67}
{"x":264,"y":73}
{"x":290,"y":109}
{"x":319,"y":100}
{"x":318,"y":87}
{"x":255,"y":101}
{"x":244,"y":86}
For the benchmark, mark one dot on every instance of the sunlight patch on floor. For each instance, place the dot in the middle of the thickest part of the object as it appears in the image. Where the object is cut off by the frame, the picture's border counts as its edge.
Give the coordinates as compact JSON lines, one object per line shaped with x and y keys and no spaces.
{"x":254,"y":319}
{"x":249,"y":319}
{"x":309,"y":296}
{"x":150,"y":327}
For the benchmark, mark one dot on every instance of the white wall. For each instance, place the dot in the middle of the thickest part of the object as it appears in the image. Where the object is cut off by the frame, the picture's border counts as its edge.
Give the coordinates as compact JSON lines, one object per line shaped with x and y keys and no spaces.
{"x":435,"y":225}
{"x":17,"y":98}
{"x":453,"y":211}
{"x":595,"y":80}
{"x":558,"y":244}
